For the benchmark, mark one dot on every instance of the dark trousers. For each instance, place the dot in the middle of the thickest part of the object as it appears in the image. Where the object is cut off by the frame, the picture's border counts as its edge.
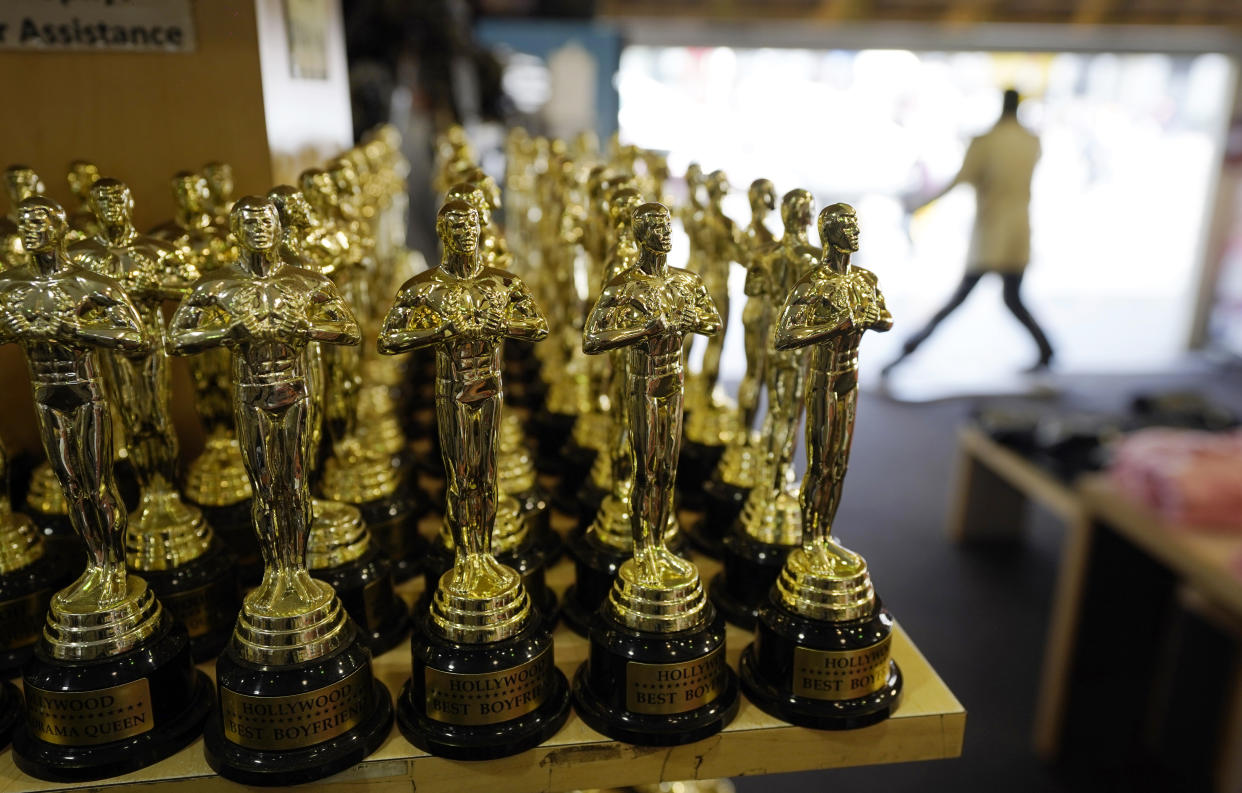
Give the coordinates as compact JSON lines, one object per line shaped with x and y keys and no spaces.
{"x":1013,"y":301}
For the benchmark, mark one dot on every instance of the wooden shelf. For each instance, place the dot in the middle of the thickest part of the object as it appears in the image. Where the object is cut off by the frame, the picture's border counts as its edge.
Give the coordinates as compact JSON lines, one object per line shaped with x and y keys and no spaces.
{"x":928,"y":724}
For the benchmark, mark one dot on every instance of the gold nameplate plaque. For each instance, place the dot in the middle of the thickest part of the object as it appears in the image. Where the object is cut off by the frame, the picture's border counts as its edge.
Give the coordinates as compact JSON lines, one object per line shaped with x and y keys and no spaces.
{"x":675,"y":688}
{"x":840,"y":674}
{"x":85,"y":718}
{"x":299,"y":720}
{"x":488,"y":698}
{"x":22,"y":619}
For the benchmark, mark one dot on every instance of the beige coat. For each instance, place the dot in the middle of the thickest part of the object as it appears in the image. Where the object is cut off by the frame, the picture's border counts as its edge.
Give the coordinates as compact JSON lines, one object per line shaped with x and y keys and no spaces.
{"x":999,"y":165}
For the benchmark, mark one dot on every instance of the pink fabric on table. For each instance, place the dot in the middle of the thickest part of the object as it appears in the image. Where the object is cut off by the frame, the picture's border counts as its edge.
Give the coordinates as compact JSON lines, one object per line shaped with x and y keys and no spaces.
{"x":1193,"y":479}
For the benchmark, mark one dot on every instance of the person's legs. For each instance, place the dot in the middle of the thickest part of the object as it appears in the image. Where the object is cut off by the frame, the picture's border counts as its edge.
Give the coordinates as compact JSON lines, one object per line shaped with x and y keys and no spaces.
{"x":1013,"y":300}
{"x":959,"y":296}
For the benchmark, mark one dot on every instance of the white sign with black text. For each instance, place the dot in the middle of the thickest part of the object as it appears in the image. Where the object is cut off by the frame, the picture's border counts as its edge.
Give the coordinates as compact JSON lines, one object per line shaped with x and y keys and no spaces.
{"x":97,"y":25}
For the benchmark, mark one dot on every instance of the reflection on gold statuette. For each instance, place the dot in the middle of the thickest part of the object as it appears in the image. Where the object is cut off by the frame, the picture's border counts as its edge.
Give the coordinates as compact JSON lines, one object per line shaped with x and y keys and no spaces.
{"x":168,"y":540}
{"x":106,"y":629}
{"x":820,"y":655}
{"x":215,"y":481}
{"x":340,"y":550}
{"x":293,"y":638}
{"x":770,"y":523}
{"x":480,"y":618}
{"x":656,"y":613}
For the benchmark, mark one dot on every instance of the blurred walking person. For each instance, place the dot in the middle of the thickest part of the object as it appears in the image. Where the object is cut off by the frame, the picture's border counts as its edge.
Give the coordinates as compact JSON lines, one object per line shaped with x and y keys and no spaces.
{"x":999,"y":165}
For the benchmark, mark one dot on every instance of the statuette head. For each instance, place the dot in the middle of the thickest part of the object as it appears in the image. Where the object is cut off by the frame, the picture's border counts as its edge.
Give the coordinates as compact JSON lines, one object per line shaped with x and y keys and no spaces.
{"x":838,"y":227}
{"x":219,"y":176}
{"x":255,"y":223}
{"x":43,"y":224}
{"x":653,"y":227}
{"x":82,"y":174}
{"x":797,"y":209}
{"x":21,"y":182}
{"x":190,"y":191}
{"x":111,"y":201}
{"x":292,"y":206}
{"x":762,"y":196}
{"x":457,"y":225}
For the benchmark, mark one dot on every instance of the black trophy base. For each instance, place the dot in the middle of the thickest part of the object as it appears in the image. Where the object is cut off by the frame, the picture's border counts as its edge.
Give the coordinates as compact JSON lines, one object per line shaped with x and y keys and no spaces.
{"x":365,"y":589}
{"x":177,"y":699}
{"x":695,"y":466}
{"x":720,"y":505}
{"x":768,"y":668}
{"x":393,"y":523}
{"x":281,"y":765}
{"x":203,"y":595}
{"x":234,"y":525}
{"x":10,"y":711}
{"x":750,"y":569}
{"x":595,"y":566}
{"x":24,"y":596}
{"x":491,"y":740}
{"x":602,"y":684}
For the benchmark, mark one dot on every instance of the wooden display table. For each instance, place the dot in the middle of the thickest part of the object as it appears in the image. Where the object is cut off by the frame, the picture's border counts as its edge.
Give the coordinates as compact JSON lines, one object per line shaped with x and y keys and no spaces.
{"x":1126,"y":573}
{"x":994,"y":485}
{"x":928,"y":724}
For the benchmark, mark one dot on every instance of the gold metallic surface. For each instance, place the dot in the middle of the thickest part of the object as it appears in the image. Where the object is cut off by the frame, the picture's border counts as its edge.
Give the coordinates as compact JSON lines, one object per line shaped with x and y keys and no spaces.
{"x":63,"y":315}
{"x":648,"y":310}
{"x":828,"y":311}
{"x":677,"y":687}
{"x":840,"y":674}
{"x":490,"y":697}
{"x":299,"y":720}
{"x":217,"y":477}
{"x":711,"y":416}
{"x":20,"y":183}
{"x":21,"y":543}
{"x":772,"y":513}
{"x":465,"y":310}
{"x":267,"y":312}
{"x":358,"y":471}
{"x":86,"y":718}
{"x":165,"y":532}
{"x":82,"y":224}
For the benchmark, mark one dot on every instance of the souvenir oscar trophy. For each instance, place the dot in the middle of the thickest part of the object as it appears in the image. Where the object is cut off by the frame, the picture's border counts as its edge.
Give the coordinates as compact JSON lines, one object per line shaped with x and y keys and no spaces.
{"x":168,"y":541}
{"x":656,"y":674}
{"x":521,"y":536}
{"x":45,"y":501}
{"x":216,"y":481}
{"x":608,"y":540}
{"x":356,"y":473}
{"x":297,"y":697}
{"x":340,"y":549}
{"x":725,"y":492}
{"x":821,"y":654}
{"x":484,"y":681}
{"x":111,"y":686}
{"x":770,"y":525}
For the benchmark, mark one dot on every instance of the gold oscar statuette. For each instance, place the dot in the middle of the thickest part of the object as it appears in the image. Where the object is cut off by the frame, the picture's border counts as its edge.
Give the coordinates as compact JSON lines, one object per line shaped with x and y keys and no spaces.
{"x":480,"y":629}
{"x":821,"y":655}
{"x":108,"y":647}
{"x":657,"y":626}
{"x":295,"y":675}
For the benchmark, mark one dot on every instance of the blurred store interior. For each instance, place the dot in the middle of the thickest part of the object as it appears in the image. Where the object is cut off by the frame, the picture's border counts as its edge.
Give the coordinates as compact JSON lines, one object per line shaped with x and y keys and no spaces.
{"x":1135,"y":273}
